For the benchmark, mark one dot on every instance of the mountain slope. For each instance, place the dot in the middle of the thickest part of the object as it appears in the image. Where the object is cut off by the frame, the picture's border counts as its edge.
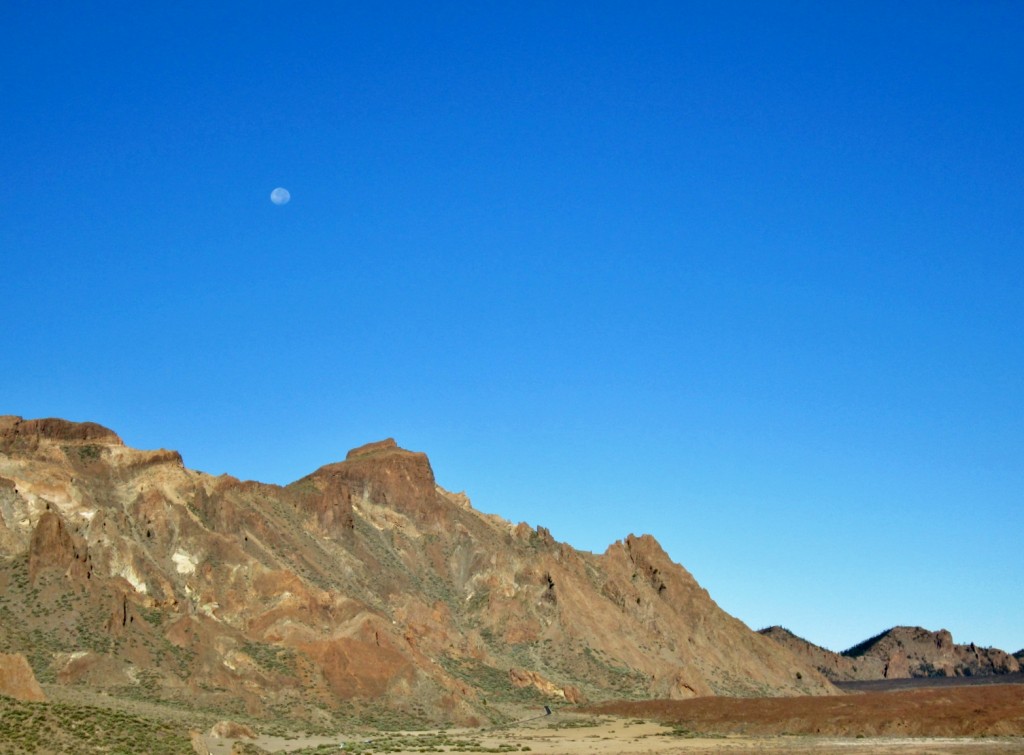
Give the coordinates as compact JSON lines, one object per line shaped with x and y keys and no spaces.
{"x":361,"y":589}
{"x":899,"y":653}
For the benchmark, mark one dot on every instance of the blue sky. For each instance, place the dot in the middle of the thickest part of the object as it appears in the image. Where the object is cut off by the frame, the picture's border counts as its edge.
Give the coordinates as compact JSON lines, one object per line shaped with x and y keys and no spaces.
{"x":746,"y":276}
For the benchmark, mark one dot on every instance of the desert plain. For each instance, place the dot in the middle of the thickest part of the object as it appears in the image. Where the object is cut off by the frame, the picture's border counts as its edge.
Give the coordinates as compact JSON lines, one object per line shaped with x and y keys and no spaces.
{"x":945,"y":717}
{"x":941,"y":716}
{"x":952,"y":718}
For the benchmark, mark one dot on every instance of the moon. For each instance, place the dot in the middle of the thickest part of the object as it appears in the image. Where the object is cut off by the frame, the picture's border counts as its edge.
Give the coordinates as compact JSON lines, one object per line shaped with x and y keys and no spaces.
{"x":280,"y":196}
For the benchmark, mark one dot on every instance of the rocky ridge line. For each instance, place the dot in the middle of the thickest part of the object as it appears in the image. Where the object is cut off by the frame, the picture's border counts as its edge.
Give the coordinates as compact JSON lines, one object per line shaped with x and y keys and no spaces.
{"x":899,"y":653}
{"x":363,"y":588}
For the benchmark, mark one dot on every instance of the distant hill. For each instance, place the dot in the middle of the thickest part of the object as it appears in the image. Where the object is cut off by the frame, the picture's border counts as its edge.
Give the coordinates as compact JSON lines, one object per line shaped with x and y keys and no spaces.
{"x":899,"y":653}
{"x":361,"y":590}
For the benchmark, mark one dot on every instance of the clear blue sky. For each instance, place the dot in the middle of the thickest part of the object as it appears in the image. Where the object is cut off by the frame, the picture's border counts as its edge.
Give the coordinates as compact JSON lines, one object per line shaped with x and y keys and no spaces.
{"x":746,"y":276}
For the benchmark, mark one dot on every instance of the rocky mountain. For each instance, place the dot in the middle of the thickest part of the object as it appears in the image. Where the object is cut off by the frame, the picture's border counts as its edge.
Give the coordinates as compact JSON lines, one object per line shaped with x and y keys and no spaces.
{"x":361,"y":589}
{"x":899,"y":653}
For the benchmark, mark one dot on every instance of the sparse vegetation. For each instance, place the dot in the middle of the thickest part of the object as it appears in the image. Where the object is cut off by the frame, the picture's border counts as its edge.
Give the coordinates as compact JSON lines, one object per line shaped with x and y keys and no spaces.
{"x":27,"y":728}
{"x":426,"y":742}
{"x":277,"y":659}
{"x":494,"y":683}
{"x":85,"y":453}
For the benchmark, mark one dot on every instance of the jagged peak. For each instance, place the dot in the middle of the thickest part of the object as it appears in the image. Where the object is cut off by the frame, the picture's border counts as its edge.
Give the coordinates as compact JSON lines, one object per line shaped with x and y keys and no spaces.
{"x":382,"y":472}
{"x":644,"y":541}
{"x":645,"y":545}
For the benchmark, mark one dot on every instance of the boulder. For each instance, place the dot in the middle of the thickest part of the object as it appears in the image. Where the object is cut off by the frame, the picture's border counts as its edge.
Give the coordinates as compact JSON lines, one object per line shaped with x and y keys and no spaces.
{"x":17,"y":679}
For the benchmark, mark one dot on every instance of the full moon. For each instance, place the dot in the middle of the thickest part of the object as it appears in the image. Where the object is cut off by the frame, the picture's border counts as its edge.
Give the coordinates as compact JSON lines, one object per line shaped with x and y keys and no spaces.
{"x":280,"y":196}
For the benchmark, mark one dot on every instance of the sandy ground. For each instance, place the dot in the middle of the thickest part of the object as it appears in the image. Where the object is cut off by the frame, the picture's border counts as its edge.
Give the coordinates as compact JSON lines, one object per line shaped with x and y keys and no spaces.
{"x":943,"y":719}
{"x":576,"y":735}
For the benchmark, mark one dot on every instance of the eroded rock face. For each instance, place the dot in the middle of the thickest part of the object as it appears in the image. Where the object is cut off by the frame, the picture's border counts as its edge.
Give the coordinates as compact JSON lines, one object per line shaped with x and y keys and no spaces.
{"x":403,"y":480}
{"x":17,"y":679}
{"x":363,"y":583}
{"x":356,"y":668}
{"x":54,"y":547}
{"x":13,"y":509}
{"x":327,"y":497}
{"x":16,"y":432}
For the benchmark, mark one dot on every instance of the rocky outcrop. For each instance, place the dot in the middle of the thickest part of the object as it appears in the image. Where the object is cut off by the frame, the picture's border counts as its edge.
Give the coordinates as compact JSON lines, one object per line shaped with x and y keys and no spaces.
{"x":383,"y":473}
{"x":899,"y":653}
{"x":54,"y":547}
{"x":17,"y":679}
{"x":913,"y":651}
{"x":231,"y":730}
{"x":13,"y":509}
{"x":18,"y":433}
{"x":327,"y":498}
{"x":523,"y":678}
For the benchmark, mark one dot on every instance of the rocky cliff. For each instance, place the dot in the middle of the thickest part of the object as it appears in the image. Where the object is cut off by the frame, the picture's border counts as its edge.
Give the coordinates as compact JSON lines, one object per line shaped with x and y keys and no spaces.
{"x":363,"y":587}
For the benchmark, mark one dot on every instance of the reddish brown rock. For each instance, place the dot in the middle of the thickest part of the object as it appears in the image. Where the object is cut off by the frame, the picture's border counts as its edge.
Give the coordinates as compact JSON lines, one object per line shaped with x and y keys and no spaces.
{"x":358,"y":669}
{"x":573,"y":695}
{"x":915,"y":652}
{"x":54,"y":547}
{"x":327,"y":497}
{"x":368,"y":449}
{"x":17,"y":679}
{"x":900,"y":653}
{"x":386,"y":474}
{"x":16,"y":432}
{"x":121,"y":617}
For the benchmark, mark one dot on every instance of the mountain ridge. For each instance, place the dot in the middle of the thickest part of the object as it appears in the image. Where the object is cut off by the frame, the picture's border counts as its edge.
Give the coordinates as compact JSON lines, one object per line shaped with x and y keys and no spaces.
{"x":901,"y":652}
{"x":363,"y":588}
